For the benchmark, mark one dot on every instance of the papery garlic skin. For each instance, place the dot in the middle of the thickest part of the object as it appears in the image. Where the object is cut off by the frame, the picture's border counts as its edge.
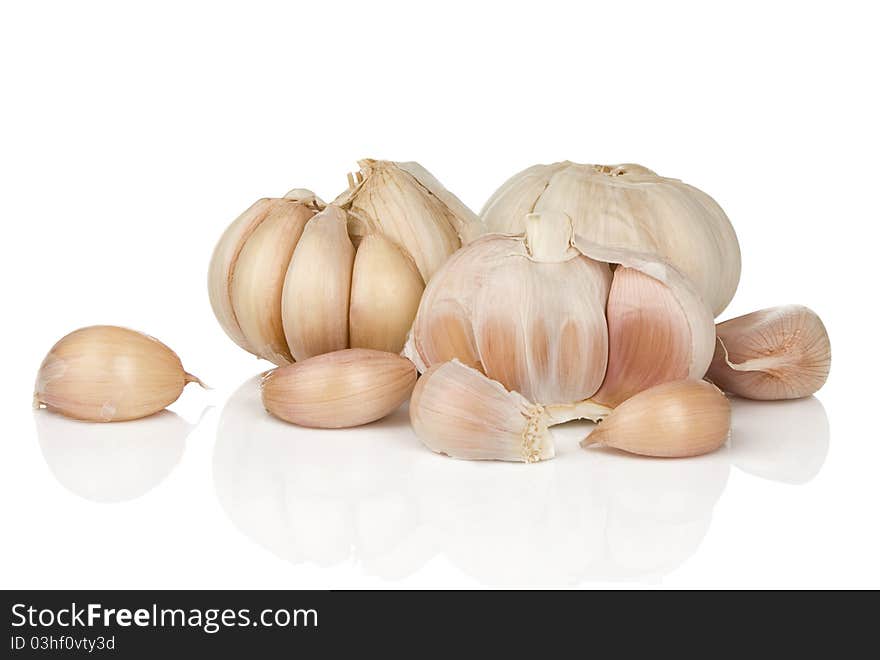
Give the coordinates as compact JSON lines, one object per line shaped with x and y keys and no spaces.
{"x":539,"y":320}
{"x":106,"y":373}
{"x":629,"y":206}
{"x":286,"y":293}
{"x":457,"y":411}
{"x":772,"y":354}
{"x":340,"y":389}
{"x":672,"y":420}
{"x":406,"y":204}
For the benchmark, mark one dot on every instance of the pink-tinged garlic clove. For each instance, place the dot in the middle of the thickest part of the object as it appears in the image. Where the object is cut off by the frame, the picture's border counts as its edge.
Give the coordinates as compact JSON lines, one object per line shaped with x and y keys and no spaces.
{"x":341,"y":389}
{"x":672,"y":420}
{"x":775,"y":353}
{"x":105,"y":373}
{"x":659,"y":328}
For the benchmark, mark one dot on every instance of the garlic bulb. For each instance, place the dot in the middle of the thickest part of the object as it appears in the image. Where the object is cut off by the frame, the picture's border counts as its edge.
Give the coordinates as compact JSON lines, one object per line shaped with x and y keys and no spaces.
{"x":340,"y":389}
{"x":457,"y":411}
{"x":629,"y":206}
{"x":776,"y":353}
{"x":292,"y":277}
{"x":543,"y":314}
{"x":673,"y":420}
{"x":104,"y":373}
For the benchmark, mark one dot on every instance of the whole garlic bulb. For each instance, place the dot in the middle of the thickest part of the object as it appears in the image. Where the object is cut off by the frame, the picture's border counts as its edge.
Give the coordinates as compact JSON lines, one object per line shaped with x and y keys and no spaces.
{"x":543,"y":314}
{"x":293,"y":277}
{"x":629,"y":206}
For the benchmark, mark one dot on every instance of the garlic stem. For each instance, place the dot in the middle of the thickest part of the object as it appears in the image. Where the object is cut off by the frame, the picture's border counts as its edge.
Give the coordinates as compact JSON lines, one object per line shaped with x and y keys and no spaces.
{"x":189,"y":378}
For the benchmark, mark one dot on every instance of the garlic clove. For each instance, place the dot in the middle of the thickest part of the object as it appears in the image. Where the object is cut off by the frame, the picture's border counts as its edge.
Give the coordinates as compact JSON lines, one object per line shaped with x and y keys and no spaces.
{"x":258,"y":279}
{"x":385,"y":291}
{"x":659,"y":329}
{"x":340,"y":389}
{"x":386,"y":198}
{"x":316,"y":294}
{"x":457,"y":411}
{"x":223,"y":265}
{"x":629,"y":206}
{"x":649,"y":336}
{"x":775,"y":353}
{"x":539,"y":321}
{"x":672,"y":420}
{"x":106,"y":373}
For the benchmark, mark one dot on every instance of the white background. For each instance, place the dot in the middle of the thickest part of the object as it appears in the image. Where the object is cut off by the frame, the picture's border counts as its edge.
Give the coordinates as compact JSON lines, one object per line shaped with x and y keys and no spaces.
{"x":133,"y":133}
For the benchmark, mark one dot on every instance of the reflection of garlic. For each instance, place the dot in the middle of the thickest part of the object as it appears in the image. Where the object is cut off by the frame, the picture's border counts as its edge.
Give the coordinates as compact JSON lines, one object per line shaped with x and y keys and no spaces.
{"x":629,"y":206}
{"x":675,"y":419}
{"x":340,"y":389}
{"x":293,"y":277}
{"x":530,"y":312}
{"x":104,"y":373}
{"x":112,"y":462}
{"x":457,"y":411}
{"x":776,"y":353}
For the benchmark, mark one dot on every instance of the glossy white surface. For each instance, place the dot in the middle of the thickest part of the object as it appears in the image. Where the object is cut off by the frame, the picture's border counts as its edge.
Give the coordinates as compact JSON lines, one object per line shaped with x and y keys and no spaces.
{"x":131,"y":138}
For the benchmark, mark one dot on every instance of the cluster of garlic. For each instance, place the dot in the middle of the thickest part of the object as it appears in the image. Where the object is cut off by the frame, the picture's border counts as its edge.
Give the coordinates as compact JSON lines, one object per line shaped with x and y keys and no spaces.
{"x":293,"y":277}
{"x":595,"y":299}
{"x":582,"y":292}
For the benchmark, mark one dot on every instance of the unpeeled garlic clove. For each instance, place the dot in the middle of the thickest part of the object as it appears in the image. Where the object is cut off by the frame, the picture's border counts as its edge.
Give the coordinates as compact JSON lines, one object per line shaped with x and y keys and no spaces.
{"x":385,"y":291}
{"x":225,"y":258}
{"x":672,"y":420}
{"x":105,"y":373}
{"x":317,"y":287}
{"x":658,"y":327}
{"x":457,"y":411}
{"x":340,"y":389}
{"x":258,"y":279}
{"x":775,"y":353}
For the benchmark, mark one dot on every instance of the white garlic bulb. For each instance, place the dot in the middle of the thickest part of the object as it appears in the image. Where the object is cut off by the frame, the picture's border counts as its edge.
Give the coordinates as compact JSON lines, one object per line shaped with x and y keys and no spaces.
{"x":629,"y":206}
{"x":544,"y":315}
{"x":292,"y":277}
{"x":105,"y":373}
{"x":776,"y":353}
